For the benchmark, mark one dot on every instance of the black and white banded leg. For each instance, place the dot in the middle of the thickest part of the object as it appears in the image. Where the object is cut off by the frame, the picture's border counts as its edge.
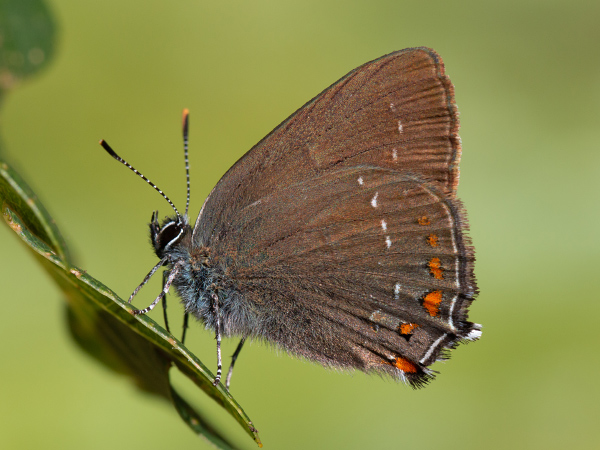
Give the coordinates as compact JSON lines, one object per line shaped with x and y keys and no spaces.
{"x":233,"y":360}
{"x":218,"y":337}
{"x":186,"y":315}
{"x":166,"y":287}
{"x":161,"y":263}
{"x":164,"y":282}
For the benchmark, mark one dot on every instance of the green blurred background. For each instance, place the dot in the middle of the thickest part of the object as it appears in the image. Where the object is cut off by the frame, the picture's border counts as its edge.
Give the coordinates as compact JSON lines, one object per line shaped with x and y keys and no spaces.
{"x":527,"y":78}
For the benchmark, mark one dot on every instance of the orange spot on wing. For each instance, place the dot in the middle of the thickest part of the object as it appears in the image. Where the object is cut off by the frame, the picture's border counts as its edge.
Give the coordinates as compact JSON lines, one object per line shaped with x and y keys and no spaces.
{"x":424,"y":220}
{"x":407,"y":328}
{"x":433,"y":240}
{"x":432,"y":301}
{"x":405,"y":365}
{"x":435,"y":266}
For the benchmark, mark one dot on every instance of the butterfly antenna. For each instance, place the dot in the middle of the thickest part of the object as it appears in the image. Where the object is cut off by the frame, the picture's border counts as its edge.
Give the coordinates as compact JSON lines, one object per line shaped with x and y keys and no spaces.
{"x":112,"y":153}
{"x":186,"y":114}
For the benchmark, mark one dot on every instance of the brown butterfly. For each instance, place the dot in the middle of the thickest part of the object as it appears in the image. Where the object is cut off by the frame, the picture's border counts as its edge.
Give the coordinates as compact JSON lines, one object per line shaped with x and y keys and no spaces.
{"x":338,"y":237}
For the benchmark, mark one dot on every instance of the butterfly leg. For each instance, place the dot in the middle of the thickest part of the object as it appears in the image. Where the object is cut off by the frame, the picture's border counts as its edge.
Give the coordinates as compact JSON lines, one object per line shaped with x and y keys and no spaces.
{"x":233,"y":359}
{"x":166,"y":287}
{"x":186,"y":318}
{"x":161,"y":263}
{"x":164,"y":282}
{"x":218,"y":337}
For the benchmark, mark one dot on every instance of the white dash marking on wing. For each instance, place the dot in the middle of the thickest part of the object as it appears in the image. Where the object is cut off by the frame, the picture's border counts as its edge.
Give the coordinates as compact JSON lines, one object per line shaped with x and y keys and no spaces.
{"x":451,"y":313}
{"x":432,"y":348}
{"x":388,"y":241}
{"x":400,"y":128}
{"x":374,"y":200}
{"x":360,"y":181}
{"x":394,"y":154}
{"x":383,"y":225}
{"x":393,"y":107}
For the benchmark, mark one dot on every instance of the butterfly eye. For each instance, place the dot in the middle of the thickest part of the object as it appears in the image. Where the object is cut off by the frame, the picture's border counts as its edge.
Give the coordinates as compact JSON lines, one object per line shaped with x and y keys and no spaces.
{"x":168,"y":235}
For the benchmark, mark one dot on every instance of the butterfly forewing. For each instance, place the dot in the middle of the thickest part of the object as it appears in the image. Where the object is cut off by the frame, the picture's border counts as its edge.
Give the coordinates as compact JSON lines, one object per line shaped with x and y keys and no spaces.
{"x":396,"y":111}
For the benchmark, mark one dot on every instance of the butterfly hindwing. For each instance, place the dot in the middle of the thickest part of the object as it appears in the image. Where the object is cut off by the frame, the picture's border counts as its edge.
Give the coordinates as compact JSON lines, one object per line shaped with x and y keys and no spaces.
{"x":372,"y":264}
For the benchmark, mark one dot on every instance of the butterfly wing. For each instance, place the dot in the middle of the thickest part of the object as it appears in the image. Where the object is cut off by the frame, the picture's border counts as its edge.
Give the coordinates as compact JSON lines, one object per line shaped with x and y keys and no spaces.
{"x":339,"y":232}
{"x":397,"y":112}
{"x":360,"y":267}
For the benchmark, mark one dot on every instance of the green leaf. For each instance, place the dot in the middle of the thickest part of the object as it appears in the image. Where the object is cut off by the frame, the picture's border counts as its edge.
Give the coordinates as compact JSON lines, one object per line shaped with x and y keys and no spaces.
{"x":103,"y":325}
{"x":27,"y":34}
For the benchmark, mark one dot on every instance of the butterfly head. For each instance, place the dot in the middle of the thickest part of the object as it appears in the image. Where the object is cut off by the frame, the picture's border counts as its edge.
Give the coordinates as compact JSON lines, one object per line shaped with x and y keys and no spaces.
{"x":169,"y":234}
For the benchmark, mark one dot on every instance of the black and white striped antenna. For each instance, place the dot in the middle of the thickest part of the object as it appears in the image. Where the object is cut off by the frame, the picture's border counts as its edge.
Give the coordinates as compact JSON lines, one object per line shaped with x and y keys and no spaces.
{"x":186,"y":115}
{"x":112,"y":153}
